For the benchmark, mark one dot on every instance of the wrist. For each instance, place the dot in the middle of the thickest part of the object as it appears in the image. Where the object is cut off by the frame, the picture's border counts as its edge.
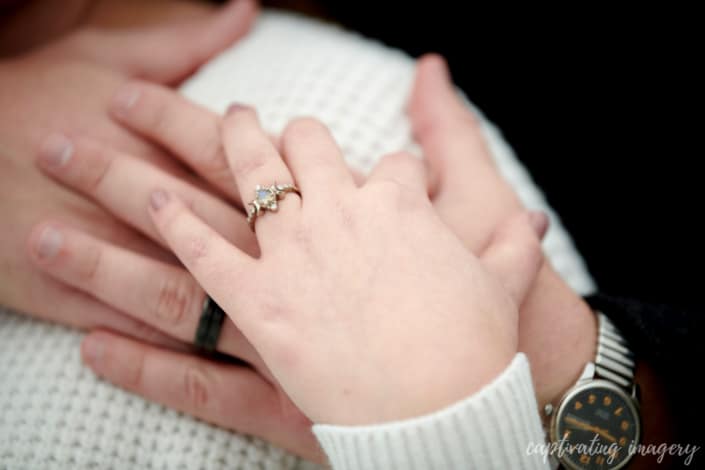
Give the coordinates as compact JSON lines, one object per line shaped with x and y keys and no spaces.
{"x":568,"y":327}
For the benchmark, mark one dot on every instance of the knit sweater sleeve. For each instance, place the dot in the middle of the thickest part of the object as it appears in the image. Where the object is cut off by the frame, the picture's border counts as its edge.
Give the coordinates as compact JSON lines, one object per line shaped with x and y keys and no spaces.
{"x":497,"y":427}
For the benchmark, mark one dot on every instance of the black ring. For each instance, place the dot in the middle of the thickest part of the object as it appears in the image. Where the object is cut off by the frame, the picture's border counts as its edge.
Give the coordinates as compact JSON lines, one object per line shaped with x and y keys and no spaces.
{"x":209,"y":325}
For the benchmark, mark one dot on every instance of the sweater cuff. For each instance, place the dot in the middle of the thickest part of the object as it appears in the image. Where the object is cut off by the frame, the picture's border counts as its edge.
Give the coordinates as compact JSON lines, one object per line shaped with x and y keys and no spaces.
{"x":493,"y":428}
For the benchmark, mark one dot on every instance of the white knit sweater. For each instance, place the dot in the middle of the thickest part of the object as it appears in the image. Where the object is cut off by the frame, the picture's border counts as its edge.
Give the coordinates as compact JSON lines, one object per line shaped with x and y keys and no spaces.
{"x":493,"y":428}
{"x":55,"y":414}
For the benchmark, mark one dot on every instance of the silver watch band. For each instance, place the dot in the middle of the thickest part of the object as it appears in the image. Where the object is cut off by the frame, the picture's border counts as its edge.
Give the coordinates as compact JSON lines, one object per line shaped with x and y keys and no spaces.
{"x":614,"y":360}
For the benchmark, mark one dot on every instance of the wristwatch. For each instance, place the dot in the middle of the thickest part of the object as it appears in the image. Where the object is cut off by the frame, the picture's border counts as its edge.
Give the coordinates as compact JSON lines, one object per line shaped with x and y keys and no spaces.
{"x":597,"y":424}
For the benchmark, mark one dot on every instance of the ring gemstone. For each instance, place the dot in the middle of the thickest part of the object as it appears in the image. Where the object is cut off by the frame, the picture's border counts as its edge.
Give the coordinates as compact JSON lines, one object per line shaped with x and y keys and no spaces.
{"x":265,"y":196}
{"x":266,"y":199}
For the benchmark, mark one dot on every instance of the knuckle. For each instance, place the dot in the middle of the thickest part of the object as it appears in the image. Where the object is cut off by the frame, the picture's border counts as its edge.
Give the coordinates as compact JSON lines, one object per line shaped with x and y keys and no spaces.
{"x":347,"y":216}
{"x":176,"y":299}
{"x":405,"y":163}
{"x":196,"y":387}
{"x":88,"y":264}
{"x":212,"y":158}
{"x":98,"y":165}
{"x":397,"y":195}
{"x":196,"y":249}
{"x":250,"y":161}
{"x":303,"y":129}
{"x":157,"y":113}
{"x":129,"y":371}
{"x":521,"y":246}
{"x":386,"y":189}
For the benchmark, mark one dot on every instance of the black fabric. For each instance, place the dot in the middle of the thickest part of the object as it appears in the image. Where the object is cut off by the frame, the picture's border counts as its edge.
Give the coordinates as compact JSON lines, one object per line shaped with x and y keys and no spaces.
{"x":671,"y":340}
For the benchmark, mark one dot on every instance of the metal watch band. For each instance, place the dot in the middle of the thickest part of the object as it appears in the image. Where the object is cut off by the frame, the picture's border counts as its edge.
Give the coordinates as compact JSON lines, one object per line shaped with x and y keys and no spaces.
{"x":614,"y":360}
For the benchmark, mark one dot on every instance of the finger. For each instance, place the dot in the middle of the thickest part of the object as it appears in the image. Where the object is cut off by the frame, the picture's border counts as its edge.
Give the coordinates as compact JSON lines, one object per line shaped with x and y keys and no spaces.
{"x":216,"y":264}
{"x":90,"y":217}
{"x":437,"y":113}
{"x":169,"y":53}
{"x":55,"y":301}
{"x":255,"y":162}
{"x":402,"y":168}
{"x":313,"y":156}
{"x":466,"y":183}
{"x":514,"y":254}
{"x":161,"y":295}
{"x":230,"y":396}
{"x":189,"y":131}
{"x":123,"y":184}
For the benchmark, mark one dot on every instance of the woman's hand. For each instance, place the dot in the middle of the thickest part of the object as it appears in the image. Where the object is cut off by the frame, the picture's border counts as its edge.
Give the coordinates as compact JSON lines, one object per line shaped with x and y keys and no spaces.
{"x":361,"y":296}
{"x":67,"y":86}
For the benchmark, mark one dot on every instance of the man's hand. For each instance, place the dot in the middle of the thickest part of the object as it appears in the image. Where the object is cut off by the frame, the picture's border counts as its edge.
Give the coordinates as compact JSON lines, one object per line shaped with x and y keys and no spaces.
{"x":557,"y":330}
{"x":67,"y":86}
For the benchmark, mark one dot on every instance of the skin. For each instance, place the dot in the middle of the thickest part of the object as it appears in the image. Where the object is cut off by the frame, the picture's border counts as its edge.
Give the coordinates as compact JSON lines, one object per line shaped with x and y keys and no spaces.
{"x":204,"y":388}
{"x":46,"y":23}
{"x":371,"y":281}
{"x":67,"y":85}
{"x":147,"y":114}
{"x":26,"y":288}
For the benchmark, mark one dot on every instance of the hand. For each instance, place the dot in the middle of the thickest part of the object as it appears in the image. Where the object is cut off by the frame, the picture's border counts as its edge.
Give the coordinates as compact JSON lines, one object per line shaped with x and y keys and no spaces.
{"x":352,"y":282}
{"x":557,"y":329}
{"x":198,"y":386}
{"x":163,"y":296}
{"x":66,"y":86}
{"x":147,"y":115}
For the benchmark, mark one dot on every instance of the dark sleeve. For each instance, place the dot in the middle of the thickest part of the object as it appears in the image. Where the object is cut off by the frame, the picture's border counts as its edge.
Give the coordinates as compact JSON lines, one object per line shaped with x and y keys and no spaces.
{"x":671,"y":340}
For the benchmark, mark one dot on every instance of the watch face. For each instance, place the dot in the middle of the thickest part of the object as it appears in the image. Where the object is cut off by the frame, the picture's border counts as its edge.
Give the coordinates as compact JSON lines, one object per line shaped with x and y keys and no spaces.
{"x":596,"y":426}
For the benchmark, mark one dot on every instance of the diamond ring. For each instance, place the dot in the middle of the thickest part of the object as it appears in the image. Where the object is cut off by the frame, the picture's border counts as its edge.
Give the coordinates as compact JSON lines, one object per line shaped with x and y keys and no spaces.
{"x":267,"y":199}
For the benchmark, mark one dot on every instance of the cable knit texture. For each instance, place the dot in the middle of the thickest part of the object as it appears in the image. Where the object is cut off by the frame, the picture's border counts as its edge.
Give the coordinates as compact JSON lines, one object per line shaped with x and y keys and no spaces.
{"x":54,"y":413}
{"x":490,"y":429}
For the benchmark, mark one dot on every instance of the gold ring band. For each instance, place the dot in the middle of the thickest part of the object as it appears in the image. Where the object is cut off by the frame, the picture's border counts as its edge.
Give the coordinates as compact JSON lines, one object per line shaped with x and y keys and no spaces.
{"x":267,"y":199}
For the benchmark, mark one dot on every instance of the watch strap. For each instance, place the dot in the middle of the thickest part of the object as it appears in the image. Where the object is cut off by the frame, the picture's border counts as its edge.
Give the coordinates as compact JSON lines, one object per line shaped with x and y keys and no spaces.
{"x":614,"y":360}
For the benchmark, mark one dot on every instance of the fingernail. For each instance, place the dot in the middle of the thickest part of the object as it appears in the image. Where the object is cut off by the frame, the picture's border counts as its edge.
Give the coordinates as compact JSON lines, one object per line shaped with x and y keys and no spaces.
{"x":56,"y":151}
{"x":93,"y":349}
{"x":234,"y":107}
{"x":49,"y":243}
{"x":539,"y":222}
{"x":158,"y":199}
{"x":125,"y":99}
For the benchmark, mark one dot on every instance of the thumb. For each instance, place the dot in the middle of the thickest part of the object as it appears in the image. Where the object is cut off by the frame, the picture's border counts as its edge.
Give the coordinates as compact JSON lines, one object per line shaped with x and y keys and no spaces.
{"x":514,"y":253}
{"x":168,"y":53}
{"x":447,"y":130}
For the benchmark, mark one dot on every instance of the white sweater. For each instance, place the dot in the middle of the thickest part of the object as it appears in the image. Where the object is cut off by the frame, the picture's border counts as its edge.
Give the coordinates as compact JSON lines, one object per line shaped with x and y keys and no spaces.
{"x":54,"y":413}
{"x":494,"y":428}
